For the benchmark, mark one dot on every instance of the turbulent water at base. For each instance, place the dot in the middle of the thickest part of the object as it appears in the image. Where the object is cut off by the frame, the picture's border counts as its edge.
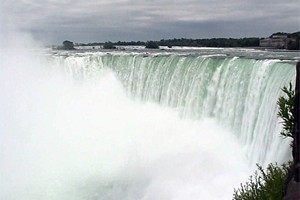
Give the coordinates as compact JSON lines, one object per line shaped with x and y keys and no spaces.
{"x":137,"y":125}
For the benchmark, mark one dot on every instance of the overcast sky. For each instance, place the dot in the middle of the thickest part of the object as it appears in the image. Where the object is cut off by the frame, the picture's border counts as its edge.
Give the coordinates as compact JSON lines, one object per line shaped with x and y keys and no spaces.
{"x":53,"y":21}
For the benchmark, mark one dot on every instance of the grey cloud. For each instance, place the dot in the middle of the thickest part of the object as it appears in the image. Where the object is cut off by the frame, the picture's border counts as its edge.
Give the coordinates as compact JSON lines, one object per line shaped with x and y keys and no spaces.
{"x":90,"y":20}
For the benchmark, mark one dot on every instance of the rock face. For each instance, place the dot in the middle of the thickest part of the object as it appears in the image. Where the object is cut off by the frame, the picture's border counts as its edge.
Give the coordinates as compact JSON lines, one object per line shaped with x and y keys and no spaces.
{"x":293,"y":188}
{"x":293,"y":191}
{"x":68,"y":45}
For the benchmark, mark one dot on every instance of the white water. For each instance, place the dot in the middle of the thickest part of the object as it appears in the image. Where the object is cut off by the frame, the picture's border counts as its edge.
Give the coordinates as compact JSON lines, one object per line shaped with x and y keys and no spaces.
{"x":69,"y":138}
{"x":241,"y":94}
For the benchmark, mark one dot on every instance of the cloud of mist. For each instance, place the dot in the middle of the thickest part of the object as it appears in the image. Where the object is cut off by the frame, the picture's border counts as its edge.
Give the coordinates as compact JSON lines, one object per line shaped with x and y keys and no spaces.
{"x":62,"y":139}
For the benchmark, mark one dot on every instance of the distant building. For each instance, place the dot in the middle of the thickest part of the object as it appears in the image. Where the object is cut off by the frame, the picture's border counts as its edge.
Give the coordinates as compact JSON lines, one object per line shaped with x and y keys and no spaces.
{"x":276,"y":42}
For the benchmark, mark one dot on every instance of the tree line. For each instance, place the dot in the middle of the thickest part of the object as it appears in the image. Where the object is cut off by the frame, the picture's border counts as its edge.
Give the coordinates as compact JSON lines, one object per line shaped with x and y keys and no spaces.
{"x":213,"y":42}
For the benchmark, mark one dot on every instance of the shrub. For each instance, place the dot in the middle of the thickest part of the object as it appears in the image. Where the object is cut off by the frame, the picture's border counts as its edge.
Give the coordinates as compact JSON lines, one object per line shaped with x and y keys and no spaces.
{"x":265,"y":184}
{"x":286,"y":108}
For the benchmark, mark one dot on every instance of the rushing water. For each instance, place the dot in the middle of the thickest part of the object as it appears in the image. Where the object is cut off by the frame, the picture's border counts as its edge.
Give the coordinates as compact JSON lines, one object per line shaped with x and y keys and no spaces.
{"x":240,"y":93}
{"x":138,"y":124}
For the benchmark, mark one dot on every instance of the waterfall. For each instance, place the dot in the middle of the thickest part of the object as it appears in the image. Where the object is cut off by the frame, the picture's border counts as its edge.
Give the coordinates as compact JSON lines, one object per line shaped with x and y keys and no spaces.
{"x":99,"y":125}
{"x":240,"y":93}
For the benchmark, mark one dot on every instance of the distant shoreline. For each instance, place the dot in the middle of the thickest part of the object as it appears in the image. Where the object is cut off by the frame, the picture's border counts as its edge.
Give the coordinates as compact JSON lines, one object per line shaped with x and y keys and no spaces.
{"x":246,"y":42}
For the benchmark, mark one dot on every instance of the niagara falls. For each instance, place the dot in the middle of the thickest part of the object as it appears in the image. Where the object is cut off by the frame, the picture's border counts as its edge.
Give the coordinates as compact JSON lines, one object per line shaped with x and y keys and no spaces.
{"x":148,"y":100}
{"x":147,"y":125}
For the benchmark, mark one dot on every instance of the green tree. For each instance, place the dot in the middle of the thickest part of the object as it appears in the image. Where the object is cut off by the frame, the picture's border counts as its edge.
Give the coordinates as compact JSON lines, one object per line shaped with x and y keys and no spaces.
{"x":68,"y":45}
{"x":108,"y":45}
{"x":286,"y":106}
{"x":152,"y":45}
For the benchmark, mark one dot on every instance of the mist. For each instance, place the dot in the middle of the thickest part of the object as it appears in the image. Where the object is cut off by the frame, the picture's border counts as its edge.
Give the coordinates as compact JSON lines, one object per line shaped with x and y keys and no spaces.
{"x":64,"y":138}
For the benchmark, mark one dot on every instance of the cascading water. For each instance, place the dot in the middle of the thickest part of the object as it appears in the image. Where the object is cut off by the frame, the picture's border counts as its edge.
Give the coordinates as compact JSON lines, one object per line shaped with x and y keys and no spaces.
{"x":240,"y":93}
{"x":136,"y":126}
